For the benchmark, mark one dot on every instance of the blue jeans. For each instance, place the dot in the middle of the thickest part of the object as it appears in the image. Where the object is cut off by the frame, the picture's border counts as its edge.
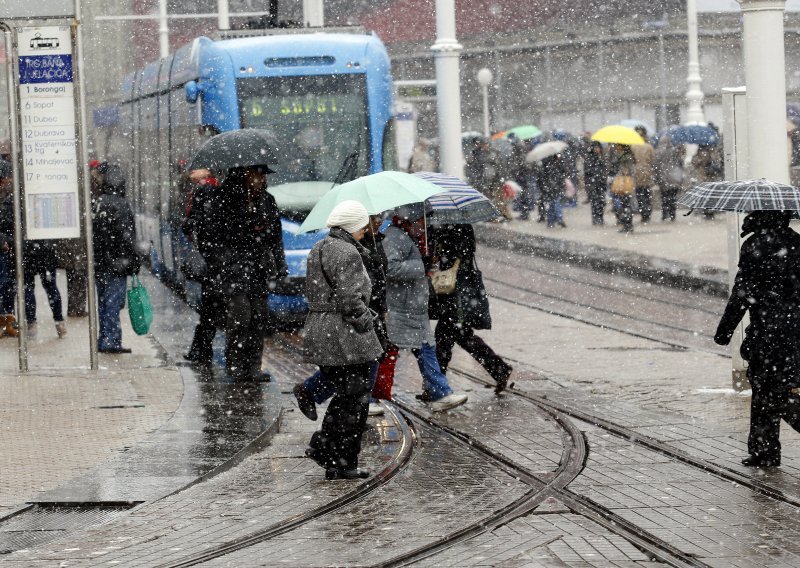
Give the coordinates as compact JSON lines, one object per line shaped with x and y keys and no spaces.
{"x":434,"y":382}
{"x":321,"y":389}
{"x":110,"y":300}
{"x":554,"y":214}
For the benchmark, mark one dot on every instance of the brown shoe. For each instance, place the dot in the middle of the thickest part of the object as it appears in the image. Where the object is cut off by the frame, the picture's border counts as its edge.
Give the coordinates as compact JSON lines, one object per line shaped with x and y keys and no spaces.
{"x":8,"y":325}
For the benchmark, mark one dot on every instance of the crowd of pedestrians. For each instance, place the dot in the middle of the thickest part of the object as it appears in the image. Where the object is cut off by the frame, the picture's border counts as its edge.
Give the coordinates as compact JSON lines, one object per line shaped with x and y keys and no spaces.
{"x":627,"y":181}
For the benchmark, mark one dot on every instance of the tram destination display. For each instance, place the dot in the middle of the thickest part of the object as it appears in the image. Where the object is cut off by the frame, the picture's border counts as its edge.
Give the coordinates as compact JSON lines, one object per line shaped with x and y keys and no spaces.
{"x":49,"y":134}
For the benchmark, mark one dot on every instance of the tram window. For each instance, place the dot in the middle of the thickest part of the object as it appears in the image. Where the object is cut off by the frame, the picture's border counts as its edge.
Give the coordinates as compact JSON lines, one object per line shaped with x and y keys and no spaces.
{"x":318,"y":121}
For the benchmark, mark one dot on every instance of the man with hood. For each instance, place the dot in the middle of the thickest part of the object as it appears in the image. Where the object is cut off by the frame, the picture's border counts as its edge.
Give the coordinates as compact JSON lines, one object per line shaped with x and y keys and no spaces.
{"x":767,"y":287}
{"x":115,"y":256}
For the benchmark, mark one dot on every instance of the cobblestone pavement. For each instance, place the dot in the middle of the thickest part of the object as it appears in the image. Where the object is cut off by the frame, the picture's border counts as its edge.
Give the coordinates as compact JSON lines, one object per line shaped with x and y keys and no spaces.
{"x":264,"y":489}
{"x":549,"y":537}
{"x":60,"y":419}
{"x":677,"y":396}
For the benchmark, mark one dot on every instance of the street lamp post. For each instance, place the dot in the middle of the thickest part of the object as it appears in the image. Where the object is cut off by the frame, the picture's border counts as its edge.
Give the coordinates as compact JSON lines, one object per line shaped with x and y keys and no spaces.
{"x":765,"y":77}
{"x":446,"y":52}
{"x":694,"y":95}
{"x":485,"y":79}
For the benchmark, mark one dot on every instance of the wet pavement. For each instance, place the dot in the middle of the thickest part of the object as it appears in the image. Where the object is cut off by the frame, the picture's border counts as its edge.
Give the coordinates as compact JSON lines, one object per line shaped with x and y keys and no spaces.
{"x":619,"y":445}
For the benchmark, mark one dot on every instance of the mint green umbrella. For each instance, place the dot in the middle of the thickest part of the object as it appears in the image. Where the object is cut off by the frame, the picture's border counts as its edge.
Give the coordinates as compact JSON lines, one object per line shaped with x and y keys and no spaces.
{"x":377,"y":192}
{"x":525,"y":132}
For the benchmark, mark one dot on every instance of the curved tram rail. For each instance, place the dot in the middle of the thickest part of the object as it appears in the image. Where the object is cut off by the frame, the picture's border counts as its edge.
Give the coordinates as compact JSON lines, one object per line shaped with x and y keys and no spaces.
{"x":648,"y":442}
{"x":572,"y":463}
{"x":409,"y":444}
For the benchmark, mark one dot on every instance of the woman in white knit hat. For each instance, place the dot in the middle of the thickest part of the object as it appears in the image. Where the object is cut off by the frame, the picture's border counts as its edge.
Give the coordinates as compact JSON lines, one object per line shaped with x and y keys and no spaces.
{"x":341,"y":339}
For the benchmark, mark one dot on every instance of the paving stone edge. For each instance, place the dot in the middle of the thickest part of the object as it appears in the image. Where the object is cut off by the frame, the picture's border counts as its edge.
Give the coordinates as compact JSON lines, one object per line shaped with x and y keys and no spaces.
{"x":661,"y":271}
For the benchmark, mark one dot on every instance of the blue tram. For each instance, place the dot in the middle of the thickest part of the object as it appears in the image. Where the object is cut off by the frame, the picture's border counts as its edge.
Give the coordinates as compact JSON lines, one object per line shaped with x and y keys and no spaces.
{"x":326,"y":97}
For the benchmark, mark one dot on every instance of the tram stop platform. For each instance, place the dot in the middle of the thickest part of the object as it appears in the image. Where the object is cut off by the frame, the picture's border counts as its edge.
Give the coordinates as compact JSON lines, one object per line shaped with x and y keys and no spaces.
{"x":610,"y":449}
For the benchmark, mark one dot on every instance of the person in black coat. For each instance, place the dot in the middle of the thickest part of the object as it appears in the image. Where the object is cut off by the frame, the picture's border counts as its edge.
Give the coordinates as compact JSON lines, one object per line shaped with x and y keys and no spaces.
{"x":245,"y":230}
{"x":197,"y":227}
{"x":115,"y":257}
{"x":8,"y":284}
{"x":551,"y":176}
{"x":452,"y":243}
{"x":767,"y":287}
{"x":595,"y":179}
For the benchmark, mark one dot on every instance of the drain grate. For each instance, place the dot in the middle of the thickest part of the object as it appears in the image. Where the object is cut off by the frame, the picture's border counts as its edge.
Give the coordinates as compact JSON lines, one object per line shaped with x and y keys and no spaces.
{"x":44,"y":522}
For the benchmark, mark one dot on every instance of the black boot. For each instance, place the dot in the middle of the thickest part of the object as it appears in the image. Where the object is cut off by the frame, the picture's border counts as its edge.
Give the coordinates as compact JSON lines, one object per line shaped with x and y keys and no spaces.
{"x":335,"y":473}
{"x":761,"y":461}
{"x":304,"y":402}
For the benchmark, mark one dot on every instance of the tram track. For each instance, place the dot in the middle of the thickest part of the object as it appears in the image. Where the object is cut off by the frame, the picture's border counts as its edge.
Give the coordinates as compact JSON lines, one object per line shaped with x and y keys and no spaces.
{"x":572,"y":463}
{"x":606,"y":307}
{"x":645,"y":441}
{"x":672,"y":297}
{"x":409,"y":445}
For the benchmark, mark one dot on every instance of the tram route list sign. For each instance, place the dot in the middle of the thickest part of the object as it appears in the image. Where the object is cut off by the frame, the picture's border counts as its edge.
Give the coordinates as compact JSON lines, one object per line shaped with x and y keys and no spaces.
{"x":49,"y":151}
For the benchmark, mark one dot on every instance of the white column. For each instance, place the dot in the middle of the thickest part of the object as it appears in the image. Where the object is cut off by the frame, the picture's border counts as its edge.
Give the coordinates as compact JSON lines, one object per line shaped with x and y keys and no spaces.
{"x":485,"y":79}
{"x":163,"y":28}
{"x":313,"y":13}
{"x":446,"y":52}
{"x":223,"y":15}
{"x":765,"y":75}
{"x":694,"y":95}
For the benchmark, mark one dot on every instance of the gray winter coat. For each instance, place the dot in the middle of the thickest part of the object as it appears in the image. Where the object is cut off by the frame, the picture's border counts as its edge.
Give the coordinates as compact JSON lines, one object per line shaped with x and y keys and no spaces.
{"x":406,"y":292}
{"x":339,"y":329}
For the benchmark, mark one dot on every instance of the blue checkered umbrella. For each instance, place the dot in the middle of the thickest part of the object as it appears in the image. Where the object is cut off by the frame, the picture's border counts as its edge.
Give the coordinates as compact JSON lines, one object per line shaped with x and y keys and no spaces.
{"x":744,"y":196}
{"x":459,"y":204}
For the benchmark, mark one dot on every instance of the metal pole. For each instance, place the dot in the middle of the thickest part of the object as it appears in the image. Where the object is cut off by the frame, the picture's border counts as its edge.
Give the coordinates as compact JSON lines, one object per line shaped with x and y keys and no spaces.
{"x":223,"y":15}
{"x":486,"y":131}
{"x":313,"y":13}
{"x":84,"y":179}
{"x":446,"y":52}
{"x":663,"y":63}
{"x":734,"y":136}
{"x":485,"y":78}
{"x":163,"y":28}
{"x":694,"y":95}
{"x":765,"y":74}
{"x":14,"y":113}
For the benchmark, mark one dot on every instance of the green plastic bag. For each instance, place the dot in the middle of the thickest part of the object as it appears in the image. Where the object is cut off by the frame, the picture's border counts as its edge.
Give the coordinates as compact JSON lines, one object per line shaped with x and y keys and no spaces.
{"x":139,"y":308}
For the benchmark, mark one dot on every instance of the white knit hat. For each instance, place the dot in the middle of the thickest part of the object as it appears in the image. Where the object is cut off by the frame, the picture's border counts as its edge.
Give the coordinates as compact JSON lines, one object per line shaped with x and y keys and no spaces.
{"x":349,"y":215}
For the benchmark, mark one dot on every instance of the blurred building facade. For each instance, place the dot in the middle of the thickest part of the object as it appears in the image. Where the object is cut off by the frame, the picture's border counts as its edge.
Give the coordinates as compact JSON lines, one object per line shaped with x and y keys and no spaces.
{"x":575,"y":65}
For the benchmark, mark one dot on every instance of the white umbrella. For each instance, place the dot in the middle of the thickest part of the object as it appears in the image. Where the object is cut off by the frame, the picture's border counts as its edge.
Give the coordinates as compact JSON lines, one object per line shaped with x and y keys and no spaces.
{"x":545,"y":150}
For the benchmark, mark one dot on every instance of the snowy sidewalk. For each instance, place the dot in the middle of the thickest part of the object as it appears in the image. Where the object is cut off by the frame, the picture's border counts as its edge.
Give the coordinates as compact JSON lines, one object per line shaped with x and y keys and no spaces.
{"x":61,"y":419}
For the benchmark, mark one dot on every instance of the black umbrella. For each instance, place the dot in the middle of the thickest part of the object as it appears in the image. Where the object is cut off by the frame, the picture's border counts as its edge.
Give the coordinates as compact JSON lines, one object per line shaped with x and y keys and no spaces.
{"x":236,"y":149}
{"x":744,"y":196}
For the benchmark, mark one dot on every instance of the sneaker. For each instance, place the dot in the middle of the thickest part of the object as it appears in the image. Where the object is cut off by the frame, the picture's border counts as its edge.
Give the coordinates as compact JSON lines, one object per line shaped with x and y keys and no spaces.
{"x":32,"y":331}
{"x":447,"y":402}
{"x":61,"y":329}
{"x":375,"y":409}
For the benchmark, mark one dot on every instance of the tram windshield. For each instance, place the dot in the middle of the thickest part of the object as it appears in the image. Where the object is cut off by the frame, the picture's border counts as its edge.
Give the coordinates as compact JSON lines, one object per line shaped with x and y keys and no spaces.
{"x":320,"y":124}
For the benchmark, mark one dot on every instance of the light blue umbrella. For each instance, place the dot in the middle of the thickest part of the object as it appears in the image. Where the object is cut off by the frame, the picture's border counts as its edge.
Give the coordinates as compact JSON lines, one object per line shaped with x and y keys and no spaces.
{"x":460,"y":203}
{"x":377,"y":193}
